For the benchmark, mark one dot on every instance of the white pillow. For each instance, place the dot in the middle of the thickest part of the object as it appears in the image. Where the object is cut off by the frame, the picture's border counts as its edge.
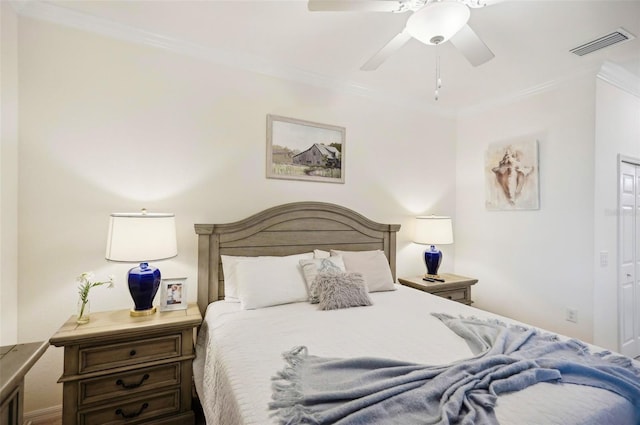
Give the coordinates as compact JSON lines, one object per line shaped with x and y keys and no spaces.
{"x":311,"y":269}
{"x":318,"y":253}
{"x":270,"y":281}
{"x":229,"y":263}
{"x":373,"y":265}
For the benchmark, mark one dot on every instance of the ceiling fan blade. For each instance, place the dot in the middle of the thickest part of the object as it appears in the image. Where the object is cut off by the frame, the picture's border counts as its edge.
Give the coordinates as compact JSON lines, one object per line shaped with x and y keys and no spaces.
{"x":354,"y":5}
{"x":390,"y":48}
{"x":471,"y":47}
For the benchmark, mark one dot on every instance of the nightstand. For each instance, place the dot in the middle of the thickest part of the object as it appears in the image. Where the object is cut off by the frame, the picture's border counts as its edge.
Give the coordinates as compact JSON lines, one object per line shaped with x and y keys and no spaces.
{"x":15,"y":362}
{"x":120,"y":369}
{"x":455,"y":288}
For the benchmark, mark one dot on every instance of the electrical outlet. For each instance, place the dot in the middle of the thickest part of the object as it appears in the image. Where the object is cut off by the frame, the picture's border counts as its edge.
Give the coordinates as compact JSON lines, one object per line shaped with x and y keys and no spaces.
{"x":604,"y":259}
{"x":572,"y":315}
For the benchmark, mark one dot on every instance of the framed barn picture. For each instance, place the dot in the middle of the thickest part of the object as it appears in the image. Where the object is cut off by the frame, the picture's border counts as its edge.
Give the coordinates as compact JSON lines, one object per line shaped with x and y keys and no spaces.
{"x":304,"y":150}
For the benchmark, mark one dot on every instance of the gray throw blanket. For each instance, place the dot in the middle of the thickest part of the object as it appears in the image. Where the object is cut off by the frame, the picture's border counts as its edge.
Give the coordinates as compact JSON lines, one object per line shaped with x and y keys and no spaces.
{"x":315,"y":390}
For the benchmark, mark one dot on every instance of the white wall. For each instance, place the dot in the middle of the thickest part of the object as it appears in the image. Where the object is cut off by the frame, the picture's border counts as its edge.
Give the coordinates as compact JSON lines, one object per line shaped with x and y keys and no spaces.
{"x":109,"y":126}
{"x":8,"y":176}
{"x":617,"y":132}
{"x":532,"y":265}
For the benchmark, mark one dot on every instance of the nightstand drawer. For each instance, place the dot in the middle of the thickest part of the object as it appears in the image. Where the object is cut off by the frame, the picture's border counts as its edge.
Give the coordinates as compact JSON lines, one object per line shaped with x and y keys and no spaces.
{"x":128,"y":383}
{"x":459,"y":295}
{"x":143,"y":350}
{"x":133,"y":410}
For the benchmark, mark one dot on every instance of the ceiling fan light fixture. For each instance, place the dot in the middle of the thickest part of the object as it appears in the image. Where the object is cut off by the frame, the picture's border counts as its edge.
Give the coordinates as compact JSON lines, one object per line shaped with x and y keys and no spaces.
{"x":438,"y":21}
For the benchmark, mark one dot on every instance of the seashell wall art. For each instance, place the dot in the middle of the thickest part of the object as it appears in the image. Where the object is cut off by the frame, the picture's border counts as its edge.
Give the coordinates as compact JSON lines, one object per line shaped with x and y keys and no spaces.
{"x":511,"y":176}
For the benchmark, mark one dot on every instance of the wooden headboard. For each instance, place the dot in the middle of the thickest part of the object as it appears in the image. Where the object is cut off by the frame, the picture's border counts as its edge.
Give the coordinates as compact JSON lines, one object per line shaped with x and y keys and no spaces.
{"x":285,"y":230}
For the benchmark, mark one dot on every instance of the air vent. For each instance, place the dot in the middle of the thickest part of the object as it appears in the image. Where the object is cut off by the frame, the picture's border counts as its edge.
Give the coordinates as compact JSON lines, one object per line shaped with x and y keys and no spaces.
{"x":618,"y":36}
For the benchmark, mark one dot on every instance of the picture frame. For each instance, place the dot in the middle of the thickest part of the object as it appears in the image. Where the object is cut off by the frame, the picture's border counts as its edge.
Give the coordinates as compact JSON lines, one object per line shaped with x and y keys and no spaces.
{"x":512,"y":175}
{"x":173,"y":294}
{"x":305,"y":150}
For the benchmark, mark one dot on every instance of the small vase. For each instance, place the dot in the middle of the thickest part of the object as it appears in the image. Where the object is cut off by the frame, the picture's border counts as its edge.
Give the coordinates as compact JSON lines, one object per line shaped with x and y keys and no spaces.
{"x":83,"y":312}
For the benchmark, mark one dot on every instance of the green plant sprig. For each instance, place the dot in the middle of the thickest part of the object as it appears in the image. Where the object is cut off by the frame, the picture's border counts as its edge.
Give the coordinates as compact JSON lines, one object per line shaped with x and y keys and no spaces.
{"x":85,"y":285}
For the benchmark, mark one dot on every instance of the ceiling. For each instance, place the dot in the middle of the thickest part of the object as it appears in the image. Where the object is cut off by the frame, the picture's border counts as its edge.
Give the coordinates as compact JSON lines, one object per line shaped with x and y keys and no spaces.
{"x":530,"y":39}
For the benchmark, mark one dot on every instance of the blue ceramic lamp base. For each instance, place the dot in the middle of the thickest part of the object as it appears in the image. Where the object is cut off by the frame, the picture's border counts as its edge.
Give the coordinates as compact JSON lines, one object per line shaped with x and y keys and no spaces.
{"x":432,"y":259}
{"x":144,"y":282}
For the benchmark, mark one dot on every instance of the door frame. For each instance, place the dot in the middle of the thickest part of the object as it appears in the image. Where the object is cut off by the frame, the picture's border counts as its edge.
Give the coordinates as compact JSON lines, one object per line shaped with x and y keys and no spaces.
{"x":635,"y":162}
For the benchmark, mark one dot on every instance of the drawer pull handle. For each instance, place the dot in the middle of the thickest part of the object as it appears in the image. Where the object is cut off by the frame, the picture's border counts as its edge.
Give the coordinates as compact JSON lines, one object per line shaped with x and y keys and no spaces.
{"x":132,"y":353}
{"x":132,"y":386}
{"x":132,"y":415}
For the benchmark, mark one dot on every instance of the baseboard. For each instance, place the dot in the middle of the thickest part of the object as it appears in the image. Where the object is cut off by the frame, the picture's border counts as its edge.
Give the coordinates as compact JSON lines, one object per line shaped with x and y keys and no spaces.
{"x":48,"y":416}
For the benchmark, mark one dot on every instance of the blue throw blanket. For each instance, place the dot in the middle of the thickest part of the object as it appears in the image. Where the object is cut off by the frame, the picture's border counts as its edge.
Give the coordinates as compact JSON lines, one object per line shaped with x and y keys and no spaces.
{"x":315,"y":390}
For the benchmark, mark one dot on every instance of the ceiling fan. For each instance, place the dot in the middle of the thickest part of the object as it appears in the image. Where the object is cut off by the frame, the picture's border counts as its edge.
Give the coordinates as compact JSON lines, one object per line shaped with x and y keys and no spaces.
{"x":431,"y":22}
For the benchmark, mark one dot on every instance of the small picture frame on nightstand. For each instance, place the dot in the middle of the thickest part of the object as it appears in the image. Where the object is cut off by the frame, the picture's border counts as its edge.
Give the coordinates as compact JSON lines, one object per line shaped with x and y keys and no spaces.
{"x":173,"y":294}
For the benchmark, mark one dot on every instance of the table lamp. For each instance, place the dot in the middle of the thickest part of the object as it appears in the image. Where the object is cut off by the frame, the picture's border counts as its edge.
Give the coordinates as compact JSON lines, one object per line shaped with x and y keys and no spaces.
{"x":432,"y":230}
{"x":142,"y":237}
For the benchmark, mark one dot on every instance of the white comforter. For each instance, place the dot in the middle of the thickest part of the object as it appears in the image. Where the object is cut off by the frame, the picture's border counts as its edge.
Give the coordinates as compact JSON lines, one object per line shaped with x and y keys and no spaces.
{"x":238,"y":351}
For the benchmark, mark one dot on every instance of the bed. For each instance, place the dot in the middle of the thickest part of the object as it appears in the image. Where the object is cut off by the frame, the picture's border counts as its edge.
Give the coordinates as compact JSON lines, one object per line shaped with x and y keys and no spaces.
{"x":243,"y":337}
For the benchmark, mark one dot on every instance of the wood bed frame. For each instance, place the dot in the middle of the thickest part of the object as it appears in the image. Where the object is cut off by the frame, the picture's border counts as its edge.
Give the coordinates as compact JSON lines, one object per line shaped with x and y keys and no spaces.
{"x":285,"y":230}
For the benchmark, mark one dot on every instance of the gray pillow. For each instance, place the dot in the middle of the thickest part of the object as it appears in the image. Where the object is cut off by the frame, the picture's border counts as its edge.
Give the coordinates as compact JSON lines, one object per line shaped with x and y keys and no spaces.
{"x":341,"y":290}
{"x":312,"y":268}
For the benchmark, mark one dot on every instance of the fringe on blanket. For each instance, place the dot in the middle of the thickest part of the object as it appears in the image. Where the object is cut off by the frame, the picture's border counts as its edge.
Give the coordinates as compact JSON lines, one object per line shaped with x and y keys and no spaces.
{"x":287,"y":391}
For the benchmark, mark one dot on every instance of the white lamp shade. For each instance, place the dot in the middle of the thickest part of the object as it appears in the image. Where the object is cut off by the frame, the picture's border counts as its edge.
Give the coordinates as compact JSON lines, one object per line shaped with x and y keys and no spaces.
{"x":433,"y":230}
{"x":141,"y":237}
{"x":438,"y":21}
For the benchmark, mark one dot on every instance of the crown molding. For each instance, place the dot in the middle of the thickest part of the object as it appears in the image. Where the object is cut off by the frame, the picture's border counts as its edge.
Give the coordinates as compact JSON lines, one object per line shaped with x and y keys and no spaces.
{"x":526,"y":93}
{"x":70,"y":18}
{"x":620,"y":77}
{"x":17,"y":5}
{"x":609,"y":72}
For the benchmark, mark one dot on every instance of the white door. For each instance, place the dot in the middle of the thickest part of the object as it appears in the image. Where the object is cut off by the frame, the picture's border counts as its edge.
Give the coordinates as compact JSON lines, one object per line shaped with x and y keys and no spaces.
{"x":629,"y":254}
